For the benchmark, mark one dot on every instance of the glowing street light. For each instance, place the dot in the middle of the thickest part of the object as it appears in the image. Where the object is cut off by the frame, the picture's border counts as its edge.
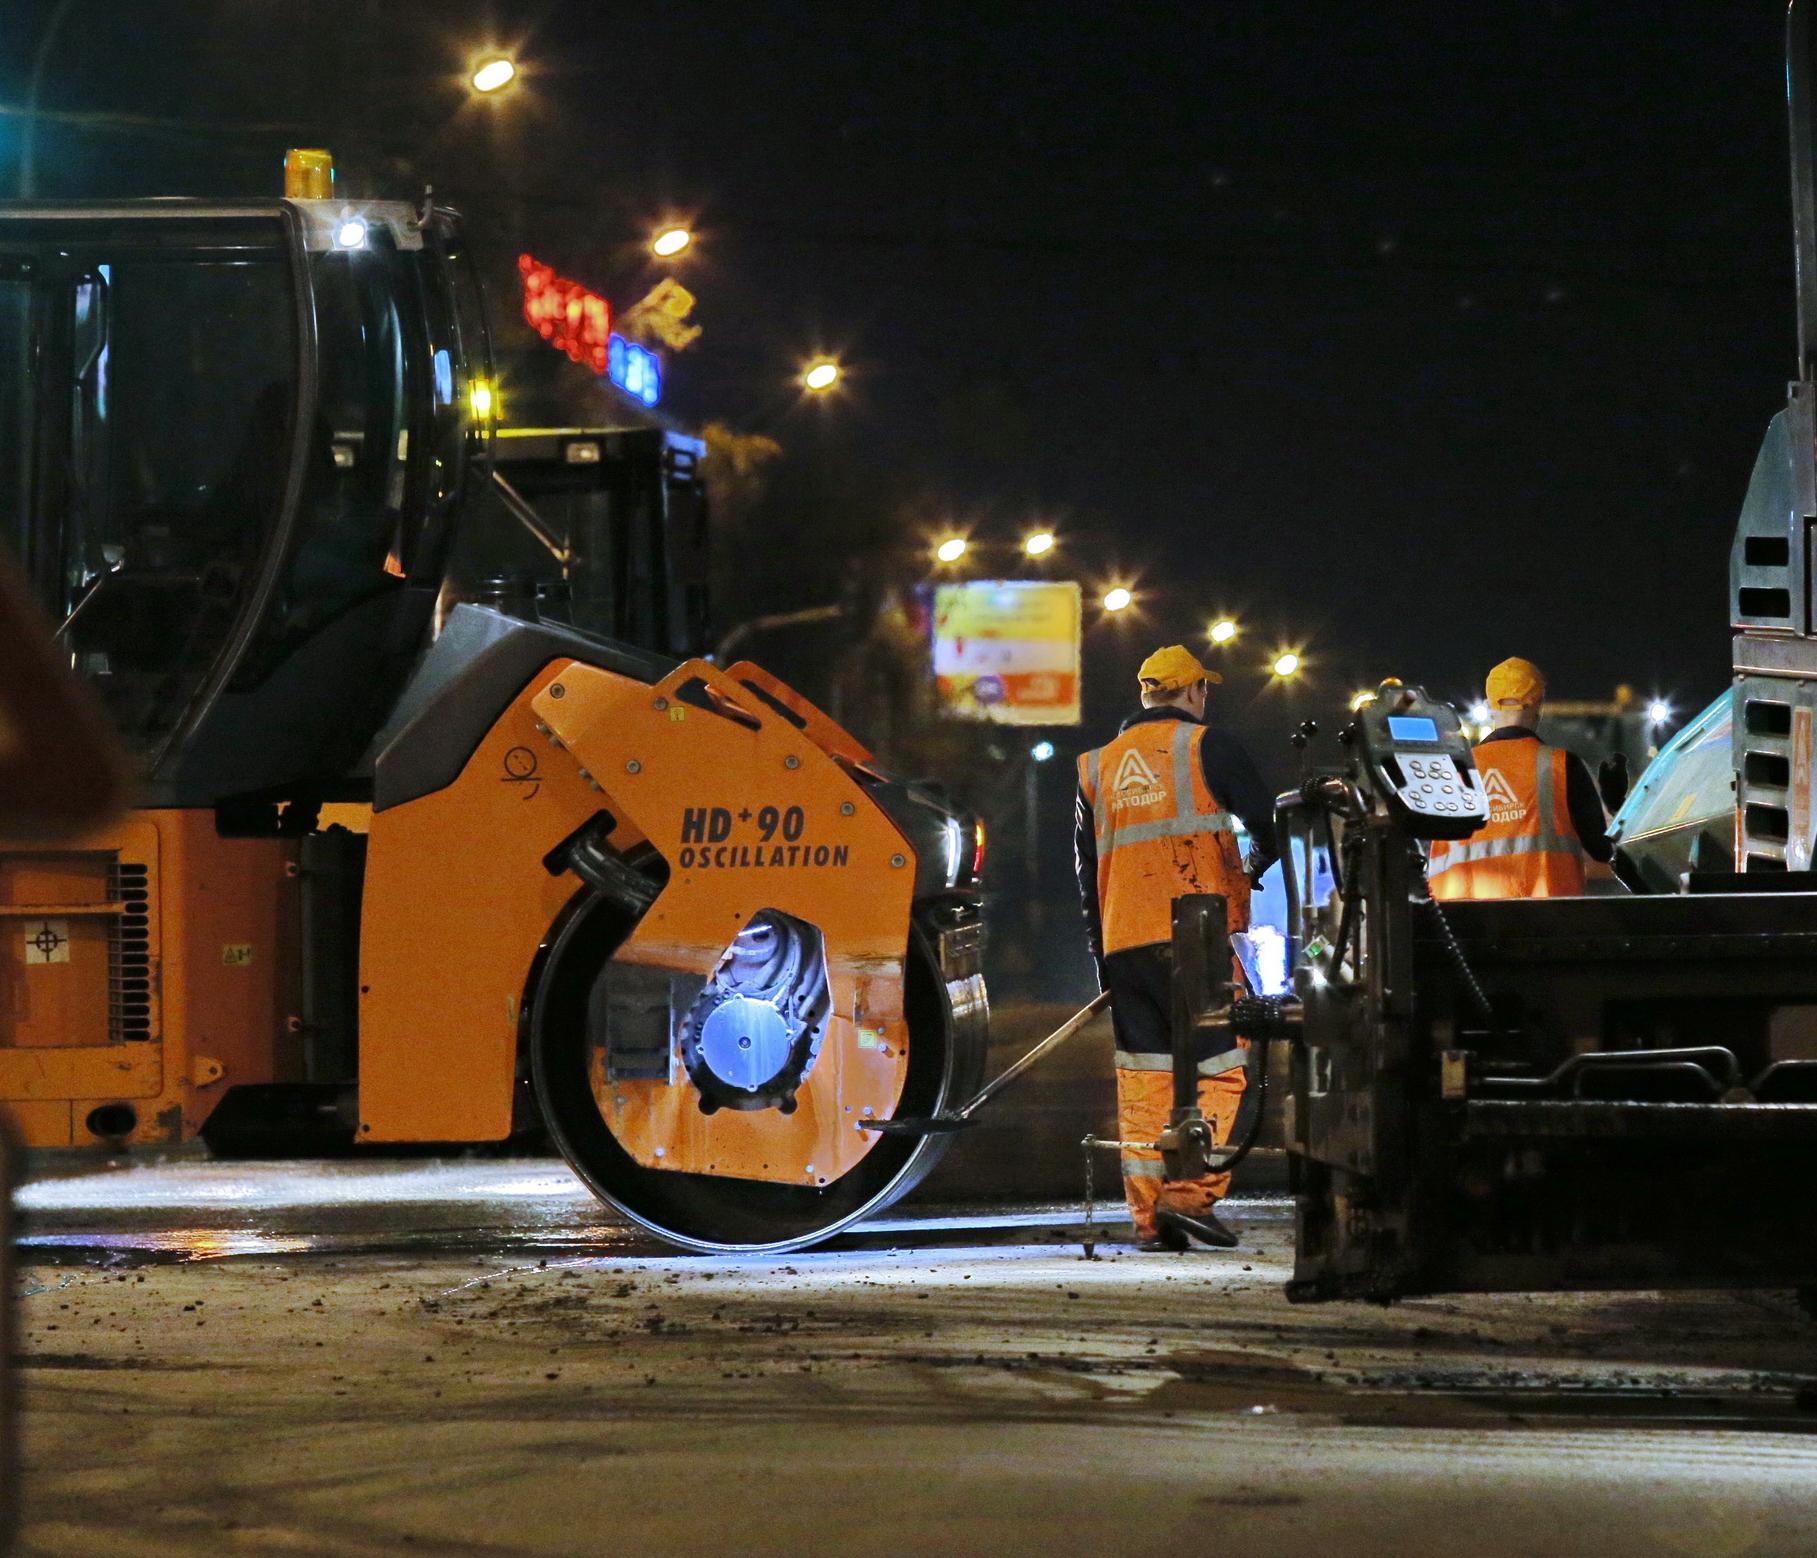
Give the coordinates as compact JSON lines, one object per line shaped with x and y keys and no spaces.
{"x":1659,"y":712}
{"x":951,"y":549}
{"x":1479,"y":713}
{"x":1118,"y":599}
{"x":1286,"y":664}
{"x":671,"y":241}
{"x":820,"y":375}
{"x":1039,"y":544}
{"x":1222,"y":631}
{"x":492,"y":74}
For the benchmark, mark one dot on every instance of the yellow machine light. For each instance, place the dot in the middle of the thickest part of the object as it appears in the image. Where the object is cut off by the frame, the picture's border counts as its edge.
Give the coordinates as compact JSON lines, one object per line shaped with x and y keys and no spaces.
{"x":951,"y":549}
{"x":671,"y":241}
{"x":1039,"y":544}
{"x":1286,"y":664}
{"x":821,"y":375}
{"x":1361,"y":701}
{"x":493,"y":75}
{"x":482,"y":400}
{"x":308,"y":173}
{"x":1118,"y":599}
{"x":1222,"y":631}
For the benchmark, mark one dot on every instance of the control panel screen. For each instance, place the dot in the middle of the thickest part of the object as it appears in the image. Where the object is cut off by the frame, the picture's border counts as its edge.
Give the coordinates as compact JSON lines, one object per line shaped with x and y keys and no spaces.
{"x":1408,"y":728}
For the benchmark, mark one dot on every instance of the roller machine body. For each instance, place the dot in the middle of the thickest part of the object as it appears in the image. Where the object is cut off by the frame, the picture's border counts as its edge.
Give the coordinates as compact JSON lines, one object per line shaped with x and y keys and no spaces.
{"x":407,"y":869}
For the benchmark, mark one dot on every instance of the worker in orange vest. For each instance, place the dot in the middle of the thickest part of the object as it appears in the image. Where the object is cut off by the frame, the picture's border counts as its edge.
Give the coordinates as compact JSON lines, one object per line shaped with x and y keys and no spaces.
{"x":1154,"y":822}
{"x":1546,"y":817}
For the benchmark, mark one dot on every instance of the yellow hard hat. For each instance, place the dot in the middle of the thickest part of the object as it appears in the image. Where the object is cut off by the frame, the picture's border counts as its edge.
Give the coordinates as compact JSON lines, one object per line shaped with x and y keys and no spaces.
{"x":1515,"y":683}
{"x":1172,"y":668}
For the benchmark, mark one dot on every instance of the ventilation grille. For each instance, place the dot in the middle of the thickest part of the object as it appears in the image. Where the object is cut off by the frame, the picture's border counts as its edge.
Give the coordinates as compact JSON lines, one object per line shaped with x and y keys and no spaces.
{"x":129,"y":955}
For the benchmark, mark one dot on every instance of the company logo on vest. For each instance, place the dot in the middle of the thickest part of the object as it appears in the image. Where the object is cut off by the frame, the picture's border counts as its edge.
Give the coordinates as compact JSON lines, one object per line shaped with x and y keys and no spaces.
{"x":1504,"y":804}
{"x":1135,"y":775}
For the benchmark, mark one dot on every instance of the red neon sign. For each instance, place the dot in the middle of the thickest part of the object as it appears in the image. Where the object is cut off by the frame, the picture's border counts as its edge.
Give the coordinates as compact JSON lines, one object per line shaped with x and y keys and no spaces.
{"x":570,"y":317}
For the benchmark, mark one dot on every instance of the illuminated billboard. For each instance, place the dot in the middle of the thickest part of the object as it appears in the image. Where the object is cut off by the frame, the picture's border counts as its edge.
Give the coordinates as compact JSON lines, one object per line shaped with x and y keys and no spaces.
{"x":1007,"y":650}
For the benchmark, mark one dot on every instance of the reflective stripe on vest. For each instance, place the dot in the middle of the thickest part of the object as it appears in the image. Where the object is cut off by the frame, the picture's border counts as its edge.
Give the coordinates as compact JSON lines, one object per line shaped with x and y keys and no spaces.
{"x":1542,"y":836}
{"x":1188,"y":818}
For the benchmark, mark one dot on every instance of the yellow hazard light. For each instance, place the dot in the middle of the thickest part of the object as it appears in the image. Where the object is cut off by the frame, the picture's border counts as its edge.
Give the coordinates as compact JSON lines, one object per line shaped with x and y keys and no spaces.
{"x":482,"y":400}
{"x":308,"y":173}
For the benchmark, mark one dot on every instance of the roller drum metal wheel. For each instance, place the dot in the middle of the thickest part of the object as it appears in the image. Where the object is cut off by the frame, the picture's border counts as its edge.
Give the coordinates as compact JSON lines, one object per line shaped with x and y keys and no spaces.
{"x":716,"y":1214}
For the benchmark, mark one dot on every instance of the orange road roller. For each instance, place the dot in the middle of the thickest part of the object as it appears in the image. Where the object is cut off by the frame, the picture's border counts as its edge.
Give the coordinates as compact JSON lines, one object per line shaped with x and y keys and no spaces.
{"x":405,"y":869}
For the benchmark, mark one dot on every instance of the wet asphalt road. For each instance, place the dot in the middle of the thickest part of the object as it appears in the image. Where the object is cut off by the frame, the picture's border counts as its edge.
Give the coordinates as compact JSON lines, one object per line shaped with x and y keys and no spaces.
{"x":467,"y":1357}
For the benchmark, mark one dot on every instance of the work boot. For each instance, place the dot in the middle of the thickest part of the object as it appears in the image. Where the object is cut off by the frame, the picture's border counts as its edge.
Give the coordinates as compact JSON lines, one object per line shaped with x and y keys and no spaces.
{"x":1165,"y":1240}
{"x":1204,"y":1227}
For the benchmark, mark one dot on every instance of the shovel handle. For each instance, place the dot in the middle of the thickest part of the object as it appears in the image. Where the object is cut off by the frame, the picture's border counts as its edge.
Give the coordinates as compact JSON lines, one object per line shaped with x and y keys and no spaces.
{"x":1058,"y":1037}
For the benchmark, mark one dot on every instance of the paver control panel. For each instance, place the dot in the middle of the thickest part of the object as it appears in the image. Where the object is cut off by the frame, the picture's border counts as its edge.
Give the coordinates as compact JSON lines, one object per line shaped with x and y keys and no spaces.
{"x":1418,"y":756}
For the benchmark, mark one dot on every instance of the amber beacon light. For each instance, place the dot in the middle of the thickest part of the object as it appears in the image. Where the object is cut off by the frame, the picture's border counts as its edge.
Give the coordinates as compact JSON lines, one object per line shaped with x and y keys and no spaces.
{"x":308,"y":173}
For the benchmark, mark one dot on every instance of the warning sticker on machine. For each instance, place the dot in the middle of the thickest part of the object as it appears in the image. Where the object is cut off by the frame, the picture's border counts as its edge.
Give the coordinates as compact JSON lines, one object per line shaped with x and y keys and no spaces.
{"x":47,"y":941}
{"x":717,"y":837}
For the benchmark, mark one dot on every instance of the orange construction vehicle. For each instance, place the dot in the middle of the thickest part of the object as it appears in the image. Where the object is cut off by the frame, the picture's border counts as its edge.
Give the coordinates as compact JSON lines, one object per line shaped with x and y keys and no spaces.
{"x":403,"y":868}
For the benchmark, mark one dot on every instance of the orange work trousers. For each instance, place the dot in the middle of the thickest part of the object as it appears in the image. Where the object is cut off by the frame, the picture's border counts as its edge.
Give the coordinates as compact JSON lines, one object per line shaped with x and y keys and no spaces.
{"x":1140,"y":981}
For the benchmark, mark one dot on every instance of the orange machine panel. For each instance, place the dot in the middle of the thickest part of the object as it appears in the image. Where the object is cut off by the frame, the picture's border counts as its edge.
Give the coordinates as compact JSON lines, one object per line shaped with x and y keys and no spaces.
{"x":79,"y":973}
{"x":457,"y":901}
{"x":147,"y":965}
{"x":751,"y":814}
{"x":231,"y":987}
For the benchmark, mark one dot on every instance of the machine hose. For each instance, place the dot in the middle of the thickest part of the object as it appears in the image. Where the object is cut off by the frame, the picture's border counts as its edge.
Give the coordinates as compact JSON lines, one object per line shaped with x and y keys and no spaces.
{"x":1257,"y":1018}
{"x":1455,"y":953}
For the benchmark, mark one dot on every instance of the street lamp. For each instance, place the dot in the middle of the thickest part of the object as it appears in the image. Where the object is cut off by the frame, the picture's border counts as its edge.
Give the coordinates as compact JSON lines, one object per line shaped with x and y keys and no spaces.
{"x":492,"y":74}
{"x":1659,"y":712}
{"x":1118,"y":599}
{"x":1286,"y":664}
{"x":1222,"y":631}
{"x":951,"y":549}
{"x":671,"y":241}
{"x":820,"y":375}
{"x":1039,"y":544}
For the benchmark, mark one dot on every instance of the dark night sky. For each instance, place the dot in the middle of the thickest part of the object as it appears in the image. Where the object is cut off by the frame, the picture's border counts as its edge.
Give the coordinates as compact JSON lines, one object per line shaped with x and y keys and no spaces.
{"x":1422,"y":333}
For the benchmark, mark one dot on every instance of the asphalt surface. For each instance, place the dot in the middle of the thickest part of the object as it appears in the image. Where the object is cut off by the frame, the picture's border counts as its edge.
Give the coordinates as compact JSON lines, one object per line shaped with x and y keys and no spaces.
{"x":467,"y":1357}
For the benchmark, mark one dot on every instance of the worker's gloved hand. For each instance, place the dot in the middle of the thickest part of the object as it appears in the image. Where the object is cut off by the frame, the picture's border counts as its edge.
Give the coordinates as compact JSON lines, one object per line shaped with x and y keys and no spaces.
{"x":1612,"y":780}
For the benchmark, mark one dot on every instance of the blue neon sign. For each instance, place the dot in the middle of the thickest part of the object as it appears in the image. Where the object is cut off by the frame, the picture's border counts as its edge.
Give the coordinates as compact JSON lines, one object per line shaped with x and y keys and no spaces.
{"x":635,"y":370}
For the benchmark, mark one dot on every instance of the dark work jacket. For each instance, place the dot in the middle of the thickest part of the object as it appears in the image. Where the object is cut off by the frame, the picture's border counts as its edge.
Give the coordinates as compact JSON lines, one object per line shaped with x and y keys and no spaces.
{"x":1233,"y":780}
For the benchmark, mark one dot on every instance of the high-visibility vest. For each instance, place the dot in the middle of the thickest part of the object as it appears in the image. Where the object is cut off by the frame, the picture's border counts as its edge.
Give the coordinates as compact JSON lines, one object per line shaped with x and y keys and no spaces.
{"x":1161,"y":832}
{"x":1528,"y":848}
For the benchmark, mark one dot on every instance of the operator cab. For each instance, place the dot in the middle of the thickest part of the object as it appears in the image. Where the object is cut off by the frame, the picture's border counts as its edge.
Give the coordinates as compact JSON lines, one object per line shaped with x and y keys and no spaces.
{"x":235,"y":437}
